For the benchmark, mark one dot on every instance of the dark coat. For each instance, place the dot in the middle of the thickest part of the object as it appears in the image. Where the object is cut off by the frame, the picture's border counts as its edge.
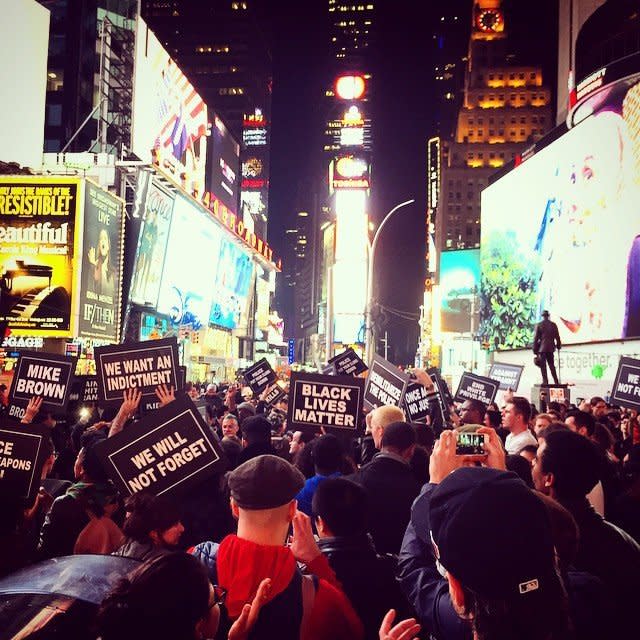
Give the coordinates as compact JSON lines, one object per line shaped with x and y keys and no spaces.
{"x":391,"y":488}
{"x":546,"y":337}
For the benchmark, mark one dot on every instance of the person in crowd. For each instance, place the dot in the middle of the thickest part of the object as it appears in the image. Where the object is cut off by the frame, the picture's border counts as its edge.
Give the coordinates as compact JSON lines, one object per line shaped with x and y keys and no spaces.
{"x":280,"y":439}
{"x":244,"y":411}
{"x":391,"y":486}
{"x":327,"y":461}
{"x":599,"y":408}
{"x":152,"y":527}
{"x":521,"y":467}
{"x":263,"y":492}
{"x":256,"y":438}
{"x":529,"y":453}
{"x":377,"y":421}
{"x":626,"y":510}
{"x":541,"y":421}
{"x":490,"y":590}
{"x":340,"y":510}
{"x":230,"y":427}
{"x":419,"y":462}
{"x":472,"y":412}
{"x":567,"y":468}
{"x":515,"y":417}
{"x":299,"y":440}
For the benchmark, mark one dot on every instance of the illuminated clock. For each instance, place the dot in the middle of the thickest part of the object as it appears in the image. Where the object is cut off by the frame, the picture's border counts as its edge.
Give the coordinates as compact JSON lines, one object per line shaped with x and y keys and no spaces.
{"x":489,"y":20}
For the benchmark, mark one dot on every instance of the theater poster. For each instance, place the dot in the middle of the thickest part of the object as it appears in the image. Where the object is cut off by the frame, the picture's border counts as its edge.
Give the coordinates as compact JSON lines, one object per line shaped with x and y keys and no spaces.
{"x":99,"y":308}
{"x":38,"y":234}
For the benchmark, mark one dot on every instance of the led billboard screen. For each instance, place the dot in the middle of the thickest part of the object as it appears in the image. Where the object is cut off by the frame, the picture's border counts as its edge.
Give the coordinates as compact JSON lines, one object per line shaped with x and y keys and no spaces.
{"x":38,"y":236}
{"x":460,"y":288}
{"x":224,"y":165}
{"x":169,"y":118}
{"x":561,"y":232}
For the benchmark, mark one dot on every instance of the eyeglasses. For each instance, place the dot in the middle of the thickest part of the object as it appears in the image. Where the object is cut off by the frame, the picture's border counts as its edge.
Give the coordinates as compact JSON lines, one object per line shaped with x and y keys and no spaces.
{"x":219,"y":596}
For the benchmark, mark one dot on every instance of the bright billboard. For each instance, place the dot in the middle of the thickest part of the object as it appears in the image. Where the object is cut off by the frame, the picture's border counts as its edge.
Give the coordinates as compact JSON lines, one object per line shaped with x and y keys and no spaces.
{"x":224,"y":165}
{"x":169,"y":119}
{"x":38,"y":238}
{"x":460,"y":288}
{"x":562,"y":232}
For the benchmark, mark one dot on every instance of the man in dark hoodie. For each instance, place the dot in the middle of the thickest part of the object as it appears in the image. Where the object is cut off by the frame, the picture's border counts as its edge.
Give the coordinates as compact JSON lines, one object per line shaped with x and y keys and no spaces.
{"x":256,"y":439}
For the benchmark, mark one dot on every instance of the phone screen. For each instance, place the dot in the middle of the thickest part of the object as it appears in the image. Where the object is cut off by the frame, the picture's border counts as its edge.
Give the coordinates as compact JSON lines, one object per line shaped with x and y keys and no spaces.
{"x":470,"y":444}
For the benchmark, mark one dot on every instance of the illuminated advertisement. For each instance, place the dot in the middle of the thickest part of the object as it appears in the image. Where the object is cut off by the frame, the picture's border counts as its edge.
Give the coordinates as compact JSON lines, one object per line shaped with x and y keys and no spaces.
{"x":253,"y":174}
{"x":224,"y":165}
{"x":101,"y":264}
{"x":186,"y":293}
{"x":38,"y":232}
{"x":460,"y":287}
{"x":152,"y":244}
{"x":232,"y":282}
{"x":561,"y":232}
{"x":254,"y":129}
{"x":349,"y":172}
{"x":169,"y":118}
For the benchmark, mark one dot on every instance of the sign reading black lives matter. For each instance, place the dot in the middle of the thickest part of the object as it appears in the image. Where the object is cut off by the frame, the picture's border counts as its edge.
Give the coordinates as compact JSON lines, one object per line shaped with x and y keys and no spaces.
{"x":348,"y":363}
{"x":22,"y":454}
{"x":473,"y":387}
{"x":47,"y":375}
{"x":259,"y":375}
{"x":626,"y":386}
{"x":167,"y":452}
{"x":385,"y":384}
{"x":84,"y":389}
{"x":415,"y":402}
{"x":324,"y":401}
{"x":140,"y":365}
{"x":508,"y":375}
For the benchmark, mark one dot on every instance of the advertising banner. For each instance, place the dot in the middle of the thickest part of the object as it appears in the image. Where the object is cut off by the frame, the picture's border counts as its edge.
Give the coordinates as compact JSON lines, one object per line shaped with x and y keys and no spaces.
{"x":626,"y":387}
{"x":415,"y":402}
{"x":140,"y":365}
{"x":84,"y":389}
{"x":46,"y":375}
{"x":473,"y":387}
{"x":22,"y":455}
{"x":259,"y":375}
{"x":167,"y":452}
{"x":385,"y":384}
{"x":348,"y":363}
{"x":508,"y":375}
{"x":324,"y":401}
{"x":38,"y":219}
{"x":224,"y":162}
{"x":101,"y":264}
{"x":460,"y":289}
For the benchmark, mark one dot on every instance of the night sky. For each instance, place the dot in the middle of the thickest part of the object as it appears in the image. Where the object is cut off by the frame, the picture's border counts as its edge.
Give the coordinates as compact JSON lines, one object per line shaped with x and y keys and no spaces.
{"x":403,"y":122}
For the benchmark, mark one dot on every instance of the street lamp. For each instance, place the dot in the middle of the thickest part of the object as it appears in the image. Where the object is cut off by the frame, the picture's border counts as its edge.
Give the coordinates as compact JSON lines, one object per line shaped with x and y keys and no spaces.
{"x":372,"y":253}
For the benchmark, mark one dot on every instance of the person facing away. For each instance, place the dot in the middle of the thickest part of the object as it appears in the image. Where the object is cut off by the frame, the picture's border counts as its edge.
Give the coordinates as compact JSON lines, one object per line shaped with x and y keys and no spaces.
{"x":546,"y":339}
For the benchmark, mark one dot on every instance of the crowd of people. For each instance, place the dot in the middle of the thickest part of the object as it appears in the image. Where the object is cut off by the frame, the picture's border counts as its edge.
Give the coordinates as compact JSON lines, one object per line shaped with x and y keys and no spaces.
{"x":394,"y":534}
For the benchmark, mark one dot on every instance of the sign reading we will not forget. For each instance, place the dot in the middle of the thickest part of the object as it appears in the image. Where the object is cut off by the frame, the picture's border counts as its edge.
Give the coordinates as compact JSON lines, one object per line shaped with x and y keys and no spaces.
{"x":385,"y":384}
{"x":140,"y":365}
{"x":626,"y":386}
{"x":473,"y":387}
{"x":318,"y":401}
{"x":164,"y":453}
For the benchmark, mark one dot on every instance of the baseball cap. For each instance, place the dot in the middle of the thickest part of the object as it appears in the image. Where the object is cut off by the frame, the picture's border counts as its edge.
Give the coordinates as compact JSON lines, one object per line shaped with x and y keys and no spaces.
{"x":492,"y":533}
{"x":265,"y":482}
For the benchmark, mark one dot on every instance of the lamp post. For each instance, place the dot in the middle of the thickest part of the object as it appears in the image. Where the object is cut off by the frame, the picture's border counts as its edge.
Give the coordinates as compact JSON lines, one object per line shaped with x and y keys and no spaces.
{"x":372,"y":252}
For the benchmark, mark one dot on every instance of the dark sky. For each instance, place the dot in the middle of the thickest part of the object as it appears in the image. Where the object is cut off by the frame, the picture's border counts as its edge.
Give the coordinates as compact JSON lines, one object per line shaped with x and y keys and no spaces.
{"x":403,"y":122}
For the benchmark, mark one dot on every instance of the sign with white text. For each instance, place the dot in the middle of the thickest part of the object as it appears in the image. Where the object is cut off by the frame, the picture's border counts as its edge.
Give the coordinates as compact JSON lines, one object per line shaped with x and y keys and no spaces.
{"x":416,"y":402}
{"x":259,"y":376}
{"x":508,"y":375}
{"x":348,"y":363}
{"x":473,"y":387}
{"x":385,"y":384}
{"x":626,"y":386}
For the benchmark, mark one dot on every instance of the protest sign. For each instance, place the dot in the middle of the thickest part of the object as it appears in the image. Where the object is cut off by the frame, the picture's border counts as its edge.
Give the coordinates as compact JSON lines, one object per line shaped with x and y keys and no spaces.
{"x":508,"y":375}
{"x":84,"y":389}
{"x":626,"y":386}
{"x":47,"y":375}
{"x":140,"y":365}
{"x":444,"y":395}
{"x":415,"y":402}
{"x":348,"y":363}
{"x":165,"y":453}
{"x":324,"y":401}
{"x":259,"y":375}
{"x":23,"y":451}
{"x":273,"y":395}
{"x":385,"y":384}
{"x":328,"y":370}
{"x":473,"y":387}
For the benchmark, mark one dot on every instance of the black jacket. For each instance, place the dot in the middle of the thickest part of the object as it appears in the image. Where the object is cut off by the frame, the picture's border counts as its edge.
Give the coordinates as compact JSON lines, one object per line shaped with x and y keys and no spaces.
{"x":391,"y":488}
{"x":368,"y":580}
{"x":546,"y":337}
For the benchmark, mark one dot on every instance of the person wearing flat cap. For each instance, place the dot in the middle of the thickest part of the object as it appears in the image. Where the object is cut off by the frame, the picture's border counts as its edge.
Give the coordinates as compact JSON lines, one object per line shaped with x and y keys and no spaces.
{"x":263,"y":492}
{"x":478,"y":559}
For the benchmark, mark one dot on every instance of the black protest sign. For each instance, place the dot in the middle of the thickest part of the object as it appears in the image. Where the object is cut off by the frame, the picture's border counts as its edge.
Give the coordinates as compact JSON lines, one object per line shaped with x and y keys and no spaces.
{"x":273,"y":395}
{"x":140,"y":365}
{"x":473,"y":387}
{"x":22,"y":455}
{"x":84,"y":389}
{"x":328,"y":370}
{"x":385,"y":384}
{"x":626,"y":386}
{"x":416,"y":402}
{"x":508,"y":375}
{"x":259,"y":375}
{"x":164,"y":453}
{"x":348,"y":363}
{"x":324,"y":401}
{"x":444,"y":395}
{"x":47,"y":375}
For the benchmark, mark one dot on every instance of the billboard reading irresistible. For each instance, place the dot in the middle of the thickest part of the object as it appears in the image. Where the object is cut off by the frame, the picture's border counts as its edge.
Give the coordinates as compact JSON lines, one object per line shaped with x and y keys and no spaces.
{"x":166,"y":452}
{"x":101,"y":264}
{"x":140,"y":365}
{"x":37,"y":247}
{"x":385,"y":384}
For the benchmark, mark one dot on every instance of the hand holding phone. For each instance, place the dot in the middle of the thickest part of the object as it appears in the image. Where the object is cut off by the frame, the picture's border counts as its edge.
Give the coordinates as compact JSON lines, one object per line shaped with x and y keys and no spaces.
{"x":470,"y":443}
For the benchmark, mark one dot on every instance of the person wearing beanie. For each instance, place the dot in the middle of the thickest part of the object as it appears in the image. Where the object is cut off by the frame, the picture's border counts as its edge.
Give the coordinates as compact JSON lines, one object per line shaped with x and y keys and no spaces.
{"x":567,"y":468}
{"x":263,"y":491}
